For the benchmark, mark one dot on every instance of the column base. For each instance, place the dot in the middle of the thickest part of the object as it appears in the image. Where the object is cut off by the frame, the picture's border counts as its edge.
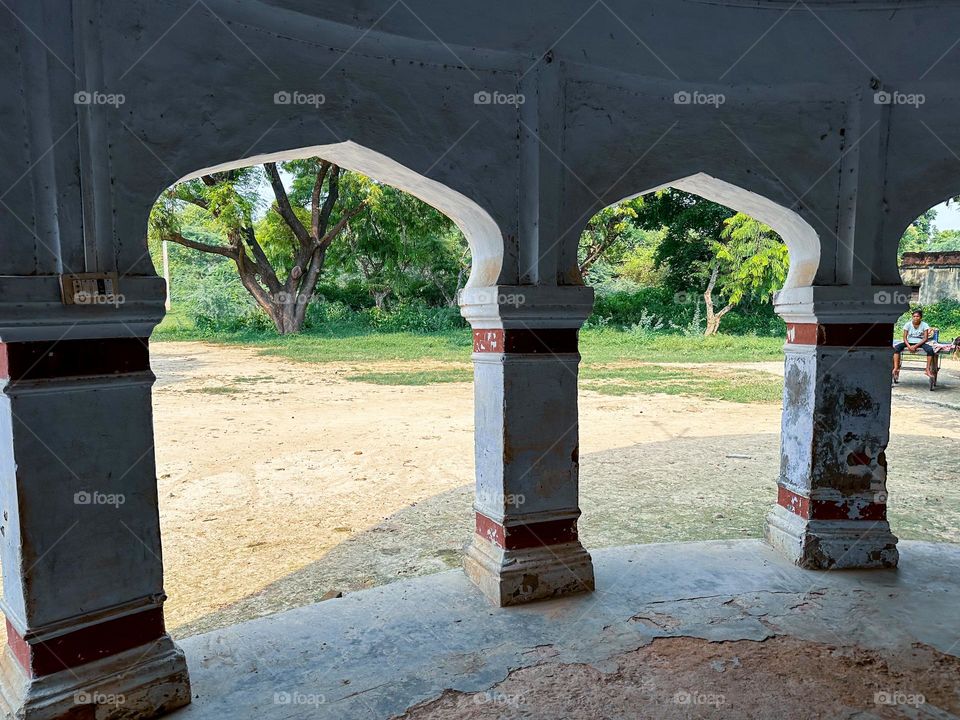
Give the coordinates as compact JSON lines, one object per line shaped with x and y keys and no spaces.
{"x":141,"y":683}
{"x":832,"y":544}
{"x":514,"y":577}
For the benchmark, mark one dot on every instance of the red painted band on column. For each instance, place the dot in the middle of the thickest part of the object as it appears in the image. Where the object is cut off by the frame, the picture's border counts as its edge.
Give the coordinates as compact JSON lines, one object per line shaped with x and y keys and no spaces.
{"x":829,"y":510}
{"x":553,"y":341}
{"x":521,"y":537}
{"x":841,"y":335}
{"x":87,"y":644}
{"x":47,"y":360}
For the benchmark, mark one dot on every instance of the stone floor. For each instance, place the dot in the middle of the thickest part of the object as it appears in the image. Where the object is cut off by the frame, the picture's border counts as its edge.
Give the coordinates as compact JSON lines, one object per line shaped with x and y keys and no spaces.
{"x":716,"y":629}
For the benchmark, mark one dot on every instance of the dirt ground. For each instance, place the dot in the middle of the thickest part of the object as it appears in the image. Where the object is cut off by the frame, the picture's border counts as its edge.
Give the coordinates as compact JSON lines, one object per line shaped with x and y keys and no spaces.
{"x":781,"y":677}
{"x":281,"y":482}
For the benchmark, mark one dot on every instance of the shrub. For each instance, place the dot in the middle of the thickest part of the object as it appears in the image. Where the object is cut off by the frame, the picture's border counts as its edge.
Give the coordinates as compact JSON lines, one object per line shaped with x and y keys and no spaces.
{"x":680,"y":313}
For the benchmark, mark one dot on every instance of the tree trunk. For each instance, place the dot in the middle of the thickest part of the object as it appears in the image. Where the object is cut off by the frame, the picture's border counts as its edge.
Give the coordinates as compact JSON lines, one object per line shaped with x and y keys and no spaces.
{"x":713,"y":318}
{"x":380,"y":297}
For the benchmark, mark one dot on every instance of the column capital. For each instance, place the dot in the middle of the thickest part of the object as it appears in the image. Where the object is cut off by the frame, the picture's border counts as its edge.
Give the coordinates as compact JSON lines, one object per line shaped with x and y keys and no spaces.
{"x":519,"y":307}
{"x":843,"y":304}
{"x":32,"y":309}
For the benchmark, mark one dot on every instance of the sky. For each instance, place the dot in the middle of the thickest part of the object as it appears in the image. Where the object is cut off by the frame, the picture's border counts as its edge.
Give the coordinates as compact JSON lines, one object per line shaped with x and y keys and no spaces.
{"x":948,"y":216}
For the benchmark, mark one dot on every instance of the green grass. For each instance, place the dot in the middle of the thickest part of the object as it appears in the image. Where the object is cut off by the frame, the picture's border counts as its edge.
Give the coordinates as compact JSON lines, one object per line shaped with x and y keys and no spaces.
{"x":735,"y":386}
{"x":740,"y":386}
{"x":602,"y":349}
{"x":346,"y":343}
{"x":420,"y":377}
{"x":216,"y":390}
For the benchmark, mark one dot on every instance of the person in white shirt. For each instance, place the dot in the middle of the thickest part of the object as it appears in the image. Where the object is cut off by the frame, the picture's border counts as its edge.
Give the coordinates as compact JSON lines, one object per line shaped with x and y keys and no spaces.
{"x":916,"y":333}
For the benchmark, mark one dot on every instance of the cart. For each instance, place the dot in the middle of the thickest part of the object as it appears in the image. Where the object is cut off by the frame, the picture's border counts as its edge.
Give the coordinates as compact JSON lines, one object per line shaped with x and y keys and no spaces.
{"x":940,"y":348}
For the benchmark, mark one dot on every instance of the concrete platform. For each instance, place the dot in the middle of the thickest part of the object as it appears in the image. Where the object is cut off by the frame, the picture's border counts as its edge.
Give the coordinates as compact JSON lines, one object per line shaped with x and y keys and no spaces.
{"x":376,"y":653}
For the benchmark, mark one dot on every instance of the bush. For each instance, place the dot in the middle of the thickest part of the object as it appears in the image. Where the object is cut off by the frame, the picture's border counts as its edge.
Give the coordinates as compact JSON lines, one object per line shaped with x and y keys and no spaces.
{"x":679,"y":313}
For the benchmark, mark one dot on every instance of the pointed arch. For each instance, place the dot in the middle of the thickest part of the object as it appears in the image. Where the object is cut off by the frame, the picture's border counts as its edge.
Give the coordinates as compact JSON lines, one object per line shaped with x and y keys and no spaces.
{"x":481,"y":231}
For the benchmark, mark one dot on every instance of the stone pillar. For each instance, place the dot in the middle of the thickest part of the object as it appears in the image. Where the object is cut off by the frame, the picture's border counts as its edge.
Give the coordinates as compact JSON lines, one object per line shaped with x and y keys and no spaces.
{"x":527,"y":442}
{"x":80,"y":535}
{"x":831,"y":504}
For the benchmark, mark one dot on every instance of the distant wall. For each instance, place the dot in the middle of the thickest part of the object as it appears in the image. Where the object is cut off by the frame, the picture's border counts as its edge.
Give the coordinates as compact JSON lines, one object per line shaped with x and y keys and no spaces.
{"x":937,"y":274}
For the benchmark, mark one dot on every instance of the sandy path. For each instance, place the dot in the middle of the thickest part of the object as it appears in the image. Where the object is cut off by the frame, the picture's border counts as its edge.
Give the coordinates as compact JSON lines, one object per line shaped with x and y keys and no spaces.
{"x":280,"y":481}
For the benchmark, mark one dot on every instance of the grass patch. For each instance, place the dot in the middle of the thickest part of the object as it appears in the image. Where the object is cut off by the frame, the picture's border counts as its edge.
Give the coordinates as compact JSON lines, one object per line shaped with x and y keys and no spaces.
{"x":416,"y":377}
{"x":735,"y":386}
{"x":603,"y":345}
{"x":348,"y":343}
{"x":603,"y":350}
{"x":216,"y":390}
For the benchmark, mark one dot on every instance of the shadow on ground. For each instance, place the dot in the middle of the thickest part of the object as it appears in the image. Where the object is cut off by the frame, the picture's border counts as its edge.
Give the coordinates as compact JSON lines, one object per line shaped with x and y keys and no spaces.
{"x":685,"y":489}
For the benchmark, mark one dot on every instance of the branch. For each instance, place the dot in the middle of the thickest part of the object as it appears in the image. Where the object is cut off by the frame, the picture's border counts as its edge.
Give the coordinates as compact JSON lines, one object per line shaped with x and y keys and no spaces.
{"x":203,"y":247}
{"x":263,"y":266}
{"x":283,"y":205}
{"x":315,"y":199}
{"x":728,"y":308}
{"x":333,"y":194}
{"x":329,"y":237}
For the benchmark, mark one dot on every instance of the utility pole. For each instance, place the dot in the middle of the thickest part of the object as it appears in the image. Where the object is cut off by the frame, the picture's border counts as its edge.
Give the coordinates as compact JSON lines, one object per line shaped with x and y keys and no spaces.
{"x":166,"y":273}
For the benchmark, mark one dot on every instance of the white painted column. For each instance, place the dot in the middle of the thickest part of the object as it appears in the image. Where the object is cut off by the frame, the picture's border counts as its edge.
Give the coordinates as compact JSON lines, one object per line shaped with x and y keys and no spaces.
{"x":831,"y":506}
{"x":527,"y":442}
{"x":80,"y":535}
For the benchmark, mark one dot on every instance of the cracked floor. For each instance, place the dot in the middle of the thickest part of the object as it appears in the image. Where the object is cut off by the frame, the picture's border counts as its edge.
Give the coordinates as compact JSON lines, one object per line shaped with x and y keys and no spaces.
{"x":685,"y":677}
{"x":712,"y":629}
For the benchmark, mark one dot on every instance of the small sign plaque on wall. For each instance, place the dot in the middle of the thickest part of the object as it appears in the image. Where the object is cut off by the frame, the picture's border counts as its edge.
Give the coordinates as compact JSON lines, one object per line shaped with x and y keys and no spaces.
{"x":91,"y":289}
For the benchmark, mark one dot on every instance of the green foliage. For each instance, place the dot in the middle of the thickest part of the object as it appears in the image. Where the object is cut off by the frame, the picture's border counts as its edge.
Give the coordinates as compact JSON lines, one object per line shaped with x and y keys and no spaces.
{"x":923,"y":235}
{"x":400,"y":248}
{"x":752,"y":258}
{"x":691,"y":226}
{"x":945,"y":241}
{"x":918,"y":236}
{"x":676,"y":312}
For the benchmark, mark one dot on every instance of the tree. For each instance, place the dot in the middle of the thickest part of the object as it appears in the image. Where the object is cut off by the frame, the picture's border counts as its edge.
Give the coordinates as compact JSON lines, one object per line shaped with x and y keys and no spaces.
{"x":609,"y":233}
{"x":279,"y":257}
{"x":713,"y":249}
{"x":401,"y":246}
{"x":692,"y":226}
{"x":750,"y":261}
{"x":945,"y":241}
{"x":919,"y":235}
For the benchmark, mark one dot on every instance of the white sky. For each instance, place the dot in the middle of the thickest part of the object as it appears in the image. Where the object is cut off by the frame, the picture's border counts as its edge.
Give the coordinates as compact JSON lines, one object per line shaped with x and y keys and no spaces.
{"x":948,"y":217}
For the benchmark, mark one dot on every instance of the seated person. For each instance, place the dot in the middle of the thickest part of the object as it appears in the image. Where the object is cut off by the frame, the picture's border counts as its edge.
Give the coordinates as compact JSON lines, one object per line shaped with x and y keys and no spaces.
{"x":916,"y":333}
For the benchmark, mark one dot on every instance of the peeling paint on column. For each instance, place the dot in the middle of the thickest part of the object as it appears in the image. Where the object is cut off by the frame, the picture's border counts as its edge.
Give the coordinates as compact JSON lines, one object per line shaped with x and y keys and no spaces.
{"x":831,"y":506}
